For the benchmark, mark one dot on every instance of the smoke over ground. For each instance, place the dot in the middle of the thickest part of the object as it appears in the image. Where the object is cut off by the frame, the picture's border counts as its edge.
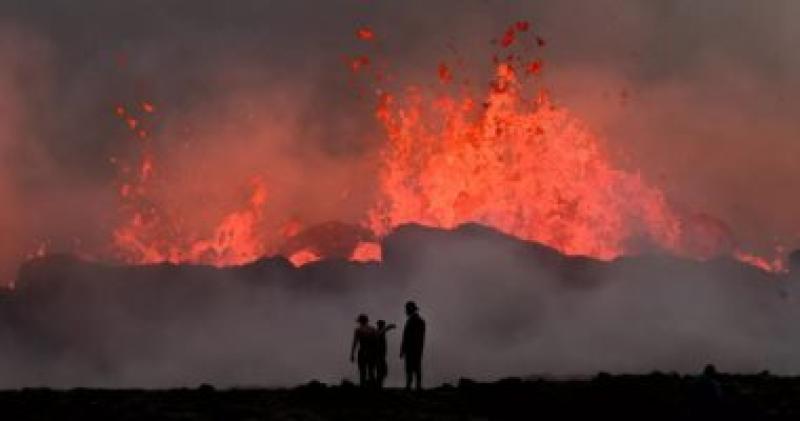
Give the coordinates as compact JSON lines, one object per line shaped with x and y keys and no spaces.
{"x":495,"y":306}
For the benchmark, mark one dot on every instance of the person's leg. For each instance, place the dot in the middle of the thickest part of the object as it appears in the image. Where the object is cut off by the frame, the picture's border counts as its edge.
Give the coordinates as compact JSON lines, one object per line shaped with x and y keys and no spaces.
{"x":373,"y":378}
{"x":409,"y":374}
{"x":382,"y":371}
{"x":419,"y":375}
{"x":362,"y":372}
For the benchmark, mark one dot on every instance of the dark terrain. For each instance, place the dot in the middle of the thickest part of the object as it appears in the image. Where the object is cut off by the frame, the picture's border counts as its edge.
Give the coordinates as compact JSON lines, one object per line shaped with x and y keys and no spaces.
{"x":649,"y":397}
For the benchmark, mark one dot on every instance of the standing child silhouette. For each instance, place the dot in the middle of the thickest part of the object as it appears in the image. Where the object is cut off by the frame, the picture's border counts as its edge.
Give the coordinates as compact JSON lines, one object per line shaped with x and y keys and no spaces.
{"x":382,"y":367}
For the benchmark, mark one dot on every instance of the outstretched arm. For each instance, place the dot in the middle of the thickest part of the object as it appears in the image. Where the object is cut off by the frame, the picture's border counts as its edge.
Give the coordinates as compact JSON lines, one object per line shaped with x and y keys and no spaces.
{"x":387,"y":328}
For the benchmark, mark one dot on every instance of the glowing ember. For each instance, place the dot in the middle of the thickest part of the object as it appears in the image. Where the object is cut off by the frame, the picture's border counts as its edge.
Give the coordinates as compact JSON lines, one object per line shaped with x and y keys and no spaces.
{"x":358,"y":63}
{"x":445,"y":75}
{"x":535,"y":67}
{"x":367,"y":252}
{"x":775,"y":264}
{"x":509,"y":37}
{"x":148,"y":107}
{"x":365,"y":34}
{"x":303,"y":257}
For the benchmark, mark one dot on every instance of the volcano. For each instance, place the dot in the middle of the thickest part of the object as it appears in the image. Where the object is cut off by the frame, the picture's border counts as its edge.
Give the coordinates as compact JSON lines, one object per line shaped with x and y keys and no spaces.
{"x":506,"y":155}
{"x":213,"y":193}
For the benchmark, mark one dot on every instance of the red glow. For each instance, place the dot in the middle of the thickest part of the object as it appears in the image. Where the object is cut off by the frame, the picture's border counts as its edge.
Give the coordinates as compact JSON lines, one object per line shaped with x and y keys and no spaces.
{"x":523,"y":165}
{"x":511,"y":158}
{"x":508,"y":37}
{"x":132,"y":123}
{"x":358,"y":63}
{"x":291,"y":228}
{"x":769,"y":265}
{"x":148,"y":107}
{"x":445,"y":75}
{"x":535,"y":67}
{"x":303,"y":257}
{"x":365,"y":34}
{"x":367,"y":252}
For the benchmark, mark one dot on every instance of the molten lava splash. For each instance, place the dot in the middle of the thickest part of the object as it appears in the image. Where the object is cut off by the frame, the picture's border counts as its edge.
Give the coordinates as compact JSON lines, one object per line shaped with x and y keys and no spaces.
{"x":524,"y":166}
{"x":150,"y":237}
{"x":511,"y":159}
{"x":367,"y":252}
{"x":304,"y":257}
{"x":516,"y":161}
{"x":774,"y":264}
{"x":150,"y":234}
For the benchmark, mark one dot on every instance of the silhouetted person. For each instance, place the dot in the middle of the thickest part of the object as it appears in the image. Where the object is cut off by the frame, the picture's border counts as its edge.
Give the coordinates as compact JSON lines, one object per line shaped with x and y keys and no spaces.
{"x":709,"y":396}
{"x":413,"y":342}
{"x":382,"y":368}
{"x":365,"y":339}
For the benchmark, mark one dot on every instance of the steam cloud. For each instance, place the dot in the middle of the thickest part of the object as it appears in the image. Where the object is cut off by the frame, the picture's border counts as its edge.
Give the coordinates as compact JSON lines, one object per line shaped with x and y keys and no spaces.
{"x":495,"y":306}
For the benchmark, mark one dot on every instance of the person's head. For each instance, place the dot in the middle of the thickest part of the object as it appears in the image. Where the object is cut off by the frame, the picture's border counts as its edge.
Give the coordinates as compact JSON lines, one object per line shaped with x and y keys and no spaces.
{"x":381,"y":324}
{"x":710,"y":370}
{"x":411,"y":308}
{"x":362,"y":319}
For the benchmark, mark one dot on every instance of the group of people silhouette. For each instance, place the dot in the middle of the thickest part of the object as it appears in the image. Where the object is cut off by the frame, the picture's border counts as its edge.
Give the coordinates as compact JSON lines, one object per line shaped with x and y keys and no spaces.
{"x":371,"y":345}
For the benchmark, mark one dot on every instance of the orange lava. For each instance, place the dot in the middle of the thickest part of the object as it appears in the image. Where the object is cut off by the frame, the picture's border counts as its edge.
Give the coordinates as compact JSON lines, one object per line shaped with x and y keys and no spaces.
{"x":515,"y":160}
{"x":510,"y":158}
{"x":776,"y":264}
{"x":148,"y":234}
{"x":304,"y":257}
{"x":367,"y":252}
{"x":524,"y":166}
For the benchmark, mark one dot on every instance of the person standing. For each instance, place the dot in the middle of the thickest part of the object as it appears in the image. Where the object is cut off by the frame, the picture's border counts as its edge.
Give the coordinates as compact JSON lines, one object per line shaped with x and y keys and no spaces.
{"x":382,"y":367}
{"x":413,"y":343}
{"x":365,"y":339}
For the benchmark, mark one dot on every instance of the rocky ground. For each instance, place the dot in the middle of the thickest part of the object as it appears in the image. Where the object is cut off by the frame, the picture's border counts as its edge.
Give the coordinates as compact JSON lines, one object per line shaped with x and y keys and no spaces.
{"x":651,"y":397}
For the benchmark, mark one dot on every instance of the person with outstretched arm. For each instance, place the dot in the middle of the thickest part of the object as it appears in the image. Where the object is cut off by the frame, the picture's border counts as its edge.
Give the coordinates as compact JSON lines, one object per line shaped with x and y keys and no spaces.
{"x":382,"y":367}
